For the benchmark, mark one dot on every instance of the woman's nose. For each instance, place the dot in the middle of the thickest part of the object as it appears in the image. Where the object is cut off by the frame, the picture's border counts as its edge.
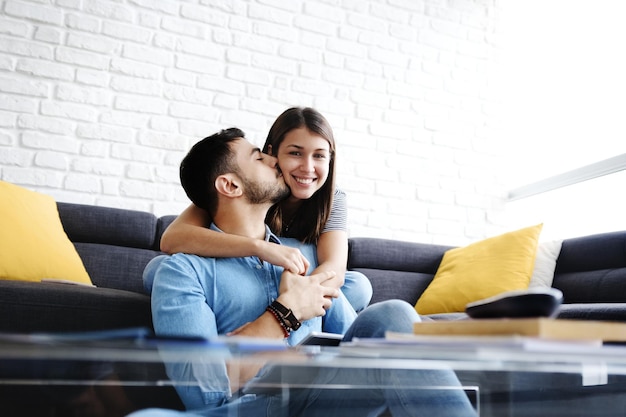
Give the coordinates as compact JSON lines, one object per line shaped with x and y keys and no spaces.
{"x":308,"y":165}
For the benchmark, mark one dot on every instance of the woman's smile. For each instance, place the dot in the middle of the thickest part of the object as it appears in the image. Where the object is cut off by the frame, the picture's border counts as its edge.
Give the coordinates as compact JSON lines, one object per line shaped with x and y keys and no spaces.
{"x":304,"y":159}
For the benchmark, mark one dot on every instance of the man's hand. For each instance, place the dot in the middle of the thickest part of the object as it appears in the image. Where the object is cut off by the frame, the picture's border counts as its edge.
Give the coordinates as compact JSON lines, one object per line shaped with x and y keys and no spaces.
{"x":291,"y":259}
{"x":307,"y":297}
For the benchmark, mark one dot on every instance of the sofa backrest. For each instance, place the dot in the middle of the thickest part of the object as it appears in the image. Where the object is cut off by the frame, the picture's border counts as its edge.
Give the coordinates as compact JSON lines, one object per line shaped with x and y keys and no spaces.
{"x":592,"y":269}
{"x":396,"y":269}
{"x":114,"y":244}
{"x":589,"y":269}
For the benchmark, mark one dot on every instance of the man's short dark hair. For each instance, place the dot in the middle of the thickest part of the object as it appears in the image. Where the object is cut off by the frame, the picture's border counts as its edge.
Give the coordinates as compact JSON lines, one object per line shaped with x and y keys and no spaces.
{"x":208,"y":159}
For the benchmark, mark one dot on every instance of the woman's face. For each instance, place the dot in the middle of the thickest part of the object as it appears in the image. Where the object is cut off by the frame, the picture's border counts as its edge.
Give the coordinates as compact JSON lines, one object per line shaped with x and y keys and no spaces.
{"x":304,"y":159}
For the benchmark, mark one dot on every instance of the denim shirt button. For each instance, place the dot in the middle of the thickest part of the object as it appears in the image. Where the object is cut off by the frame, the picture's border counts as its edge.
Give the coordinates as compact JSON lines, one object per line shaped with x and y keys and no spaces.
{"x":259,"y":266}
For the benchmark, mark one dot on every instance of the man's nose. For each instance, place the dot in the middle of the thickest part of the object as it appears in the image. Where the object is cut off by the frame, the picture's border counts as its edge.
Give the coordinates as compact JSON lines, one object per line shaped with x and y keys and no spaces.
{"x":271,"y":160}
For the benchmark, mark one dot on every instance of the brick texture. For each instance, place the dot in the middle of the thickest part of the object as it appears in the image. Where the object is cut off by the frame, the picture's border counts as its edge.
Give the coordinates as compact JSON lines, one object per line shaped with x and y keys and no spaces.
{"x":99,"y":100}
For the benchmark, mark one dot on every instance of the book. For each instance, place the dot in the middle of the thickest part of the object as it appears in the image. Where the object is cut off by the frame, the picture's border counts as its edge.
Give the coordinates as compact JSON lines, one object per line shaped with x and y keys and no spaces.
{"x":408,"y":345}
{"x":565,"y":329}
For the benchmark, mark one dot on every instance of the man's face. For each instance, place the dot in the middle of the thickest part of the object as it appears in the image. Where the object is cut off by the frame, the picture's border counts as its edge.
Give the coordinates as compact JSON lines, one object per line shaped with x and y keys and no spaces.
{"x":262,"y":182}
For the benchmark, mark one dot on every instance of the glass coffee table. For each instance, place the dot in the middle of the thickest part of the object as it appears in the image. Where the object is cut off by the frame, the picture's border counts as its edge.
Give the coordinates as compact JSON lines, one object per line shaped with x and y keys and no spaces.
{"x":59,"y":376}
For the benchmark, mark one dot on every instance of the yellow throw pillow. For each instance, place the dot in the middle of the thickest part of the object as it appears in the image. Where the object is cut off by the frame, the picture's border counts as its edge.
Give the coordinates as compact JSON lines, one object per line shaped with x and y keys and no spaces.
{"x":480,"y":270}
{"x":33,"y":244}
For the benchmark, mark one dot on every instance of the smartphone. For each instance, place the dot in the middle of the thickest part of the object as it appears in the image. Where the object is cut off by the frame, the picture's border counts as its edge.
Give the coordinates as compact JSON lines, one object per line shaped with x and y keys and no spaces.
{"x":321,"y":339}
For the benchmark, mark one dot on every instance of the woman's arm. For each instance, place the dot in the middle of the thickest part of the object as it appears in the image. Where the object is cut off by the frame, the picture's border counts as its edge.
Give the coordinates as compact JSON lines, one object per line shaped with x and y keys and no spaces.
{"x":189,"y":233}
{"x":332,"y":245}
{"x":332,"y":255}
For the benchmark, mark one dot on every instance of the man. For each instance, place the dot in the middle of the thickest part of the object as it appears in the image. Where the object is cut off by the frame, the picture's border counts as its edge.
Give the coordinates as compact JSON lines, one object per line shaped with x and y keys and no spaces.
{"x":206,"y":297}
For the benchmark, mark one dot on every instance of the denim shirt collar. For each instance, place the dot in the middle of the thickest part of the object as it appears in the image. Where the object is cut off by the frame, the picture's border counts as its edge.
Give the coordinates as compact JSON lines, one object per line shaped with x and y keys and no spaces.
{"x":269,"y":235}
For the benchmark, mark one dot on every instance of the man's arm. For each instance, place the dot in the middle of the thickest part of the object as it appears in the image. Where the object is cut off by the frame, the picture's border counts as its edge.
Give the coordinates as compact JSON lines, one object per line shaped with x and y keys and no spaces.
{"x":307,"y":298}
{"x":180,"y":308}
{"x":177,"y":298}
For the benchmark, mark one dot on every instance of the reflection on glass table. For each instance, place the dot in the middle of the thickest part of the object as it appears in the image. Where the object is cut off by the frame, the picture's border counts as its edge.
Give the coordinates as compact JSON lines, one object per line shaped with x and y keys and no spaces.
{"x":502,"y":377}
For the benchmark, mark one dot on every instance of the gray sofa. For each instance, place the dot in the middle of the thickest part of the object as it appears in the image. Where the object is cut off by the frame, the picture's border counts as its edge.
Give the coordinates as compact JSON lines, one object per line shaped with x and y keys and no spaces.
{"x":115,"y":245}
{"x":590,"y":271}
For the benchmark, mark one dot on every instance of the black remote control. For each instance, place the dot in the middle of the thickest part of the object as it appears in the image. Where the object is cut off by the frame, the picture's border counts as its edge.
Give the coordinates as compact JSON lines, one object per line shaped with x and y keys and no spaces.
{"x":534,"y":302}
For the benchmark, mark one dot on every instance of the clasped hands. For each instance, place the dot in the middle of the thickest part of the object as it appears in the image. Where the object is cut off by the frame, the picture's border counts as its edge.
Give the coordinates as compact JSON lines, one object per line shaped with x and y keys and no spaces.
{"x":307,"y":297}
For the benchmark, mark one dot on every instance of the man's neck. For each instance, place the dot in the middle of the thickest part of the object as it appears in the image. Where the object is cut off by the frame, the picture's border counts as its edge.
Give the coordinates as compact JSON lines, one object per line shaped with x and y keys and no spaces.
{"x":242,"y":220}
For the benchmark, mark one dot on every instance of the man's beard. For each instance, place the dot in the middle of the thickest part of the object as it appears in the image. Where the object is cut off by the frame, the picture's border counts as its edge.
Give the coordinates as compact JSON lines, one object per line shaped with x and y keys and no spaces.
{"x":265,"y":192}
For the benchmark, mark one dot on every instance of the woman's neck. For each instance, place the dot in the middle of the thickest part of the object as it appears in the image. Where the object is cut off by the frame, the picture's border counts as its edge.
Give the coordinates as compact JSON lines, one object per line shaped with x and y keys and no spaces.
{"x":289,"y":207}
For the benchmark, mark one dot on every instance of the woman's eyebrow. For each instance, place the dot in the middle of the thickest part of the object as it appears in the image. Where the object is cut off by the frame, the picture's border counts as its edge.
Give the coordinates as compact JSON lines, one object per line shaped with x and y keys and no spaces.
{"x":302,"y":147}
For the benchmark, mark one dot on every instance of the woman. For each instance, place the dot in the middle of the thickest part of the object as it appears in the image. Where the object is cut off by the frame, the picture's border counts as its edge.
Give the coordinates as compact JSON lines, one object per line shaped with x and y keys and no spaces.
{"x":315,"y":212}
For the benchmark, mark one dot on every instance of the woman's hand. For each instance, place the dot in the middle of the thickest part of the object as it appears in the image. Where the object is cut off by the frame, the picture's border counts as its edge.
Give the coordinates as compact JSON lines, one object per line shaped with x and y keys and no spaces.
{"x":291,"y":259}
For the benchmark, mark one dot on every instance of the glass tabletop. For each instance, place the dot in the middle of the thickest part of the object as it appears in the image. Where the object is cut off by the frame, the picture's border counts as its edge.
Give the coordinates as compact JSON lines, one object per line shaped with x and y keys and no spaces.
{"x":508,"y":376}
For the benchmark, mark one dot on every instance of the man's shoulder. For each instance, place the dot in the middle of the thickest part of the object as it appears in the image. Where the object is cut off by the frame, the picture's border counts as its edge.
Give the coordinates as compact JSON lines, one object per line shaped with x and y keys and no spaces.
{"x":187,"y":260}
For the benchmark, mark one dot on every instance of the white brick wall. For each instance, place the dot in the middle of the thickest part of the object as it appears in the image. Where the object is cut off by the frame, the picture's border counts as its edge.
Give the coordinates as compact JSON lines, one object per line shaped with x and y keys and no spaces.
{"x":99,"y":100}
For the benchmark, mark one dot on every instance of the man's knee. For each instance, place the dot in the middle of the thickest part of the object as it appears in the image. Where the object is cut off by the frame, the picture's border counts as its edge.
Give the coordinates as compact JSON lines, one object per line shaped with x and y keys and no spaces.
{"x":379,"y":318}
{"x":397,"y":309}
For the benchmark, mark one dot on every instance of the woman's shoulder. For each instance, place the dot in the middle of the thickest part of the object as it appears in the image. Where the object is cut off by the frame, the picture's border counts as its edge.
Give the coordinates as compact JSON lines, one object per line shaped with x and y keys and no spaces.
{"x":337,"y":219}
{"x":339,"y":193}
{"x":339,"y":200}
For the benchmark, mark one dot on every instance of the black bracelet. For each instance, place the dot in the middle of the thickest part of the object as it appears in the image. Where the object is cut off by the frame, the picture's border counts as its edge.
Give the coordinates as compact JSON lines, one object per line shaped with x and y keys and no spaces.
{"x":286,"y":314}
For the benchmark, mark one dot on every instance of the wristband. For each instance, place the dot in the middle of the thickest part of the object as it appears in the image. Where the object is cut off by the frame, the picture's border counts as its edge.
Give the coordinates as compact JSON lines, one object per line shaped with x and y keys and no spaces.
{"x":285,"y":315}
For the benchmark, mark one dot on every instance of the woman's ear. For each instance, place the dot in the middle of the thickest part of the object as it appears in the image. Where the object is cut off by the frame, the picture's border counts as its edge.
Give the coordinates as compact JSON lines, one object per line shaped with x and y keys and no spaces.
{"x":269,"y":150}
{"x":228,"y":185}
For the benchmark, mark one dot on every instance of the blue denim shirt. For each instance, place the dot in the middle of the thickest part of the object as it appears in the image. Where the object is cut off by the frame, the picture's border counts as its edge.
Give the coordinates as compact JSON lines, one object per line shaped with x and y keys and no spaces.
{"x":193,"y":296}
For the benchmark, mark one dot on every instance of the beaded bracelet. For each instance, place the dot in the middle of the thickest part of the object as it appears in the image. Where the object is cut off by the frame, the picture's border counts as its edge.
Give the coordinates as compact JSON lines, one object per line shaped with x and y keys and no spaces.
{"x":280,"y":321}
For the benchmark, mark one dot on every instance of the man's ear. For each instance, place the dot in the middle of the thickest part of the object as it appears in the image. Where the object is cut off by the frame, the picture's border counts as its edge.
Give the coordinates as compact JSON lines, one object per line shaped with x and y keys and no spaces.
{"x":228,"y":185}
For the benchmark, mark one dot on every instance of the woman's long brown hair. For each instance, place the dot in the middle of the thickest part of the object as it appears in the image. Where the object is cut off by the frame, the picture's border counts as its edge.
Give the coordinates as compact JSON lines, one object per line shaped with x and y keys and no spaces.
{"x":308,"y":222}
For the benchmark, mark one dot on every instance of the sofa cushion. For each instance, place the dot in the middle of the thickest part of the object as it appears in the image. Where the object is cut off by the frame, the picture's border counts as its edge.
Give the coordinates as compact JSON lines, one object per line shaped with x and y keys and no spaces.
{"x":593,"y":252}
{"x":33,"y":244}
{"x":545,"y":263}
{"x":50,"y":307}
{"x":593,"y":311}
{"x":111,"y":226}
{"x":397,"y":269}
{"x":400,"y":285}
{"x":115,"y":266}
{"x":480,"y":270}
{"x":394,"y":255}
{"x":592,"y":269}
{"x":599,"y":286}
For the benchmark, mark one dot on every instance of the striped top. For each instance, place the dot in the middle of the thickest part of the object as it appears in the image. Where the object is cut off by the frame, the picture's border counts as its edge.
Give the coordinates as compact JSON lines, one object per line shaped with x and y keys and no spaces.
{"x":338,"y":218}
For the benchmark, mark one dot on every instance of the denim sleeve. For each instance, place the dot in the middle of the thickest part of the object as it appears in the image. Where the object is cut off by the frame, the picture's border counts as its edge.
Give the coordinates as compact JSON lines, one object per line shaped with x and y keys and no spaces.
{"x":179,"y":308}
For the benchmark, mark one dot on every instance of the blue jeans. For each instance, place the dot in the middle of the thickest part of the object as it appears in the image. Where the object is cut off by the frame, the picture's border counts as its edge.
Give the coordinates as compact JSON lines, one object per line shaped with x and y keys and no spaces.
{"x":404,"y":392}
{"x":357,"y":288}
